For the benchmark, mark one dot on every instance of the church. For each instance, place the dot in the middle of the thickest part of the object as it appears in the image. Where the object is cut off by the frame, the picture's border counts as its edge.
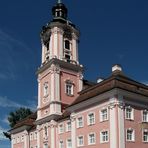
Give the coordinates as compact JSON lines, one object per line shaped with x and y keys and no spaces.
{"x":73,"y":112}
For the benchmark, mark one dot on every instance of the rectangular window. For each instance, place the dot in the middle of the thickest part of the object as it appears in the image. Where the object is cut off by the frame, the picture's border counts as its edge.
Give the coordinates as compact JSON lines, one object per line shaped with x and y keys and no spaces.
{"x":68,"y":126}
{"x":79,"y":122}
{"x":69,"y":88}
{"x":22,"y":138}
{"x":67,"y":57}
{"x":145,"y":135}
{"x":104,"y":136}
{"x":80,"y":141}
{"x":61,"y":129}
{"x":129,"y":113}
{"x":35,"y":135}
{"x":130,"y":135}
{"x":61,"y":144}
{"x":45,"y":145}
{"x":91,"y":119}
{"x":103,"y":115}
{"x":69,"y":143}
{"x":145,"y":116}
{"x":91,"y":139}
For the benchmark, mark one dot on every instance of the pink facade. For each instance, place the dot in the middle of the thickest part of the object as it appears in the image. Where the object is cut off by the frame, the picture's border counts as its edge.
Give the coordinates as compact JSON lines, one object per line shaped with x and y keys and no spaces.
{"x":73,"y":112}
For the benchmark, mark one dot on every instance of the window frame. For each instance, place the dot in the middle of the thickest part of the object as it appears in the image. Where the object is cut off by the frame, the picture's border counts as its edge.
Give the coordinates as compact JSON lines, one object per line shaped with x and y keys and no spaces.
{"x":61,"y":142}
{"x":101,"y":115}
{"x":78,"y":125}
{"x":68,"y":126}
{"x":69,"y":91}
{"x":88,"y":119}
{"x":68,"y":143}
{"x":61,"y":128}
{"x":89,"y":143}
{"x":146,"y":116}
{"x":144,"y":130}
{"x":129,"y":116}
{"x":101,"y":136}
{"x":132,"y":135}
{"x":78,"y":142}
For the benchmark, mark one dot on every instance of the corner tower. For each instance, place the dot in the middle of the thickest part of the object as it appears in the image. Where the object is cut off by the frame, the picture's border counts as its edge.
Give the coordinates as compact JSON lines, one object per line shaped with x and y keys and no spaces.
{"x":60,"y":74}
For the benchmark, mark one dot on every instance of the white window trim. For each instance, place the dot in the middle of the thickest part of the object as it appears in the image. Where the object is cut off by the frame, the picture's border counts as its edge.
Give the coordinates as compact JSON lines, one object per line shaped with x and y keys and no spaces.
{"x":78,"y":141}
{"x":133,"y":140}
{"x":89,"y":140}
{"x":67,"y":142}
{"x":142,"y":116}
{"x":101,"y":141}
{"x":70,"y":44}
{"x":59,"y":131}
{"x":143,"y":130}
{"x":101,"y":119}
{"x":67,"y":130}
{"x":88,"y":121}
{"x":60,"y":143}
{"x":132,"y":113}
{"x":72,"y":87}
{"x":82,"y":122}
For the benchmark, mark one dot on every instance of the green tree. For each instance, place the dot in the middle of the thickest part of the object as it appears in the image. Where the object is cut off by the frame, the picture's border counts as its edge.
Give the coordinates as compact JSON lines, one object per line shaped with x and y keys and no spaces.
{"x":18,"y":115}
{"x":15,"y":117}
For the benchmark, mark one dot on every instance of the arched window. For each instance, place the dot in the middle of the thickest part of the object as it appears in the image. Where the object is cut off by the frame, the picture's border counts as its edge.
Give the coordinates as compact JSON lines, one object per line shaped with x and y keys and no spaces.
{"x":67,"y":44}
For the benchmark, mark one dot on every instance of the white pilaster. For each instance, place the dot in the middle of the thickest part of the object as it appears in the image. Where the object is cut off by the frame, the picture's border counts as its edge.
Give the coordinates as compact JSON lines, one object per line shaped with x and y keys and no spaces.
{"x":61,"y":40}
{"x":39,"y":99}
{"x":80,"y":79}
{"x":53,"y":140}
{"x":121,"y":122}
{"x":12,"y":141}
{"x":26,"y":139}
{"x":52,"y":86}
{"x":51,"y":46}
{"x":113,"y":123}
{"x":55,"y":41}
{"x":38,"y":136}
{"x":73,"y":130}
{"x":74,"y":49}
{"x":57,"y":85}
{"x":43,"y":53}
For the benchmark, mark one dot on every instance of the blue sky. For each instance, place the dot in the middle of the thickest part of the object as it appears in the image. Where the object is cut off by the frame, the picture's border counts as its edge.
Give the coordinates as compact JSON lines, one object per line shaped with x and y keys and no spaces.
{"x":111,"y":32}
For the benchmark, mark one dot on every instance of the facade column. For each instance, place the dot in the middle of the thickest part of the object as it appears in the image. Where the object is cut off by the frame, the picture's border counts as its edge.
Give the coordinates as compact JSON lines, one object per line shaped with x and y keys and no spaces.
{"x":73,"y":130}
{"x":12,"y":141}
{"x":38,"y":136}
{"x":26,"y":139}
{"x":39,"y":99}
{"x":113,"y":123}
{"x":74,"y":47}
{"x":121,"y":122}
{"x":53,"y":140}
{"x":80,"y":80}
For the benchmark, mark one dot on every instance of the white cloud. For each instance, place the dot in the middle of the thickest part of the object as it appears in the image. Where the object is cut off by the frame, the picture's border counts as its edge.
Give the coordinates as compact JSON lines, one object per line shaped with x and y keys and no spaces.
{"x":2,"y":137}
{"x":5,"y":120}
{"x":5,"y":102}
{"x":145,"y":82}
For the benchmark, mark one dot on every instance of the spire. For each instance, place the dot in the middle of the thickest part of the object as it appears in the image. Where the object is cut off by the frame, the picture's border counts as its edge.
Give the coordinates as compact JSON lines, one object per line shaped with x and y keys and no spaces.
{"x":59,"y":11}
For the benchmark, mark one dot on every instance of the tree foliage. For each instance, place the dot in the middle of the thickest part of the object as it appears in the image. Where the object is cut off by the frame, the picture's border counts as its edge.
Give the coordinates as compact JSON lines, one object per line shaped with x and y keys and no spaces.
{"x":18,"y":115}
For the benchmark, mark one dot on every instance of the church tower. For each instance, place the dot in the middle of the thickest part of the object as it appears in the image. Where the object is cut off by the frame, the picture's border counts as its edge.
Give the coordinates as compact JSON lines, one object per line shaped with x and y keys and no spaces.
{"x":60,"y":74}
